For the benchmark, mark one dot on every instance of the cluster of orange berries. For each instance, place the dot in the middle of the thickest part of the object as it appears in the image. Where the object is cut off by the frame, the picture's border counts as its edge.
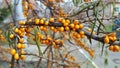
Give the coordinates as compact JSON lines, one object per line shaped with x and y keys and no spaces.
{"x":27,"y":6}
{"x":44,"y":24}
{"x":66,"y":24}
{"x":114,"y":48}
{"x":49,"y":41}
{"x":110,"y":37}
{"x":18,"y":51}
{"x":14,"y":53}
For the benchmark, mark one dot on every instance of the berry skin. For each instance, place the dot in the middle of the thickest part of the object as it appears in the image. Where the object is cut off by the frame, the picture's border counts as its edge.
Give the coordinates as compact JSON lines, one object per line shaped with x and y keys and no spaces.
{"x":22,"y":57}
{"x":11,"y":36}
{"x":16,"y":56}
{"x":111,"y":48}
{"x":37,"y":21}
{"x":13,"y":52}
{"x":19,"y":45}
{"x":81,"y":26}
{"x":51,"y":19}
{"x":72,"y":25}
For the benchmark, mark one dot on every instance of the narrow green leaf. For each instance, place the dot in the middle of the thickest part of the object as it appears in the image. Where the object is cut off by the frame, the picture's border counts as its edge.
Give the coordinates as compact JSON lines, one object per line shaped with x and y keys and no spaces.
{"x":106,"y":61}
{"x":37,"y":40}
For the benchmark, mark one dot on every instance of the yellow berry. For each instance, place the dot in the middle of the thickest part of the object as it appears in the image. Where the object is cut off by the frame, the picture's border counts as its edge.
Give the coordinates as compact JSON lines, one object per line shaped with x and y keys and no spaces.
{"x":72,"y":25}
{"x":116,"y":48}
{"x":106,"y":40}
{"x":46,"y":23}
{"x":76,"y":26}
{"x":111,"y":48}
{"x":81,"y":32}
{"x":22,"y":57}
{"x":37,"y":21}
{"x":66,"y":28}
{"x":67,"y":21}
{"x":41,"y":21}
{"x":61,"y":29}
{"x":22,"y":22}
{"x":23,"y":46}
{"x":76,"y":22}
{"x":59,"y":19}
{"x":22,"y":52}
{"x":11,"y":36}
{"x":51,"y":20}
{"x":21,"y":40}
{"x":19,"y":45}
{"x":13,"y":51}
{"x":16,"y":56}
{"x":16,"y":30}
{"x":81,"y":26}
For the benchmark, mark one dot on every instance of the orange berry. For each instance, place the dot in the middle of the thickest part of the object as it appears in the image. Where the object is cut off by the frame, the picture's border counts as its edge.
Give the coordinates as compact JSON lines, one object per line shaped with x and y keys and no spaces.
{"x":41,"y":36}
{"x":19,"y":32}
{"x":55,"y":30}
{"x":22,"y":29}
{"x":86,"y":0}
{"x":44,"y":28}
{"x":22,"y":57}
{"x":65,"y":24}
{"x":41,"y":27}
{"x":81,"y":26}
{"x":53,"y":43}
{"x":37,"y":21}
{"x":114,"y":38}
{"x":47,"y":41}
{"x":23,"y":46}
{"x":19,"y":45}
{"x":73,"y":58}
{"x":76,"y":26}
{"x":13,"y":51}
{"x":111,"y":48}
{"x":21,"y":40}
{"x":82,"y":36}
{"x":81,"y":32}
{"x":66,"y":28}
{"x":72,"y":25}
{"x":16,"y":30}
{"x":89,"y":29}
{"x":42,"y":41}
{"x":16,"y":56}
{"x":76,"y":22}
{"x":41,"y":21}
{"x":51,"y":0}
{"x":51,"y":19}
{"x":63,"y":21}
{"x":61,"y":29}
{"x":59,"y":19}
{"x":28,"y":30}
{"x":11,"y":36}
{"x":116,"y":48}
{"x":106,"y":40}
{"x":22,"y":22}
{"x":78,"y":36}
{"x":67,"y":21}
{"x":49,"y":38}
{"x":52,"y":28}
{"x":46,"y":23}
{"x":22,"y":52}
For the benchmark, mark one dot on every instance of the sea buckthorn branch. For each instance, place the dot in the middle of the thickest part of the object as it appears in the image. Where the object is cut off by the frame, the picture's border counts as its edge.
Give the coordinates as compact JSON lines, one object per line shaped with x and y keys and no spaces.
{"x":87,"y":33}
